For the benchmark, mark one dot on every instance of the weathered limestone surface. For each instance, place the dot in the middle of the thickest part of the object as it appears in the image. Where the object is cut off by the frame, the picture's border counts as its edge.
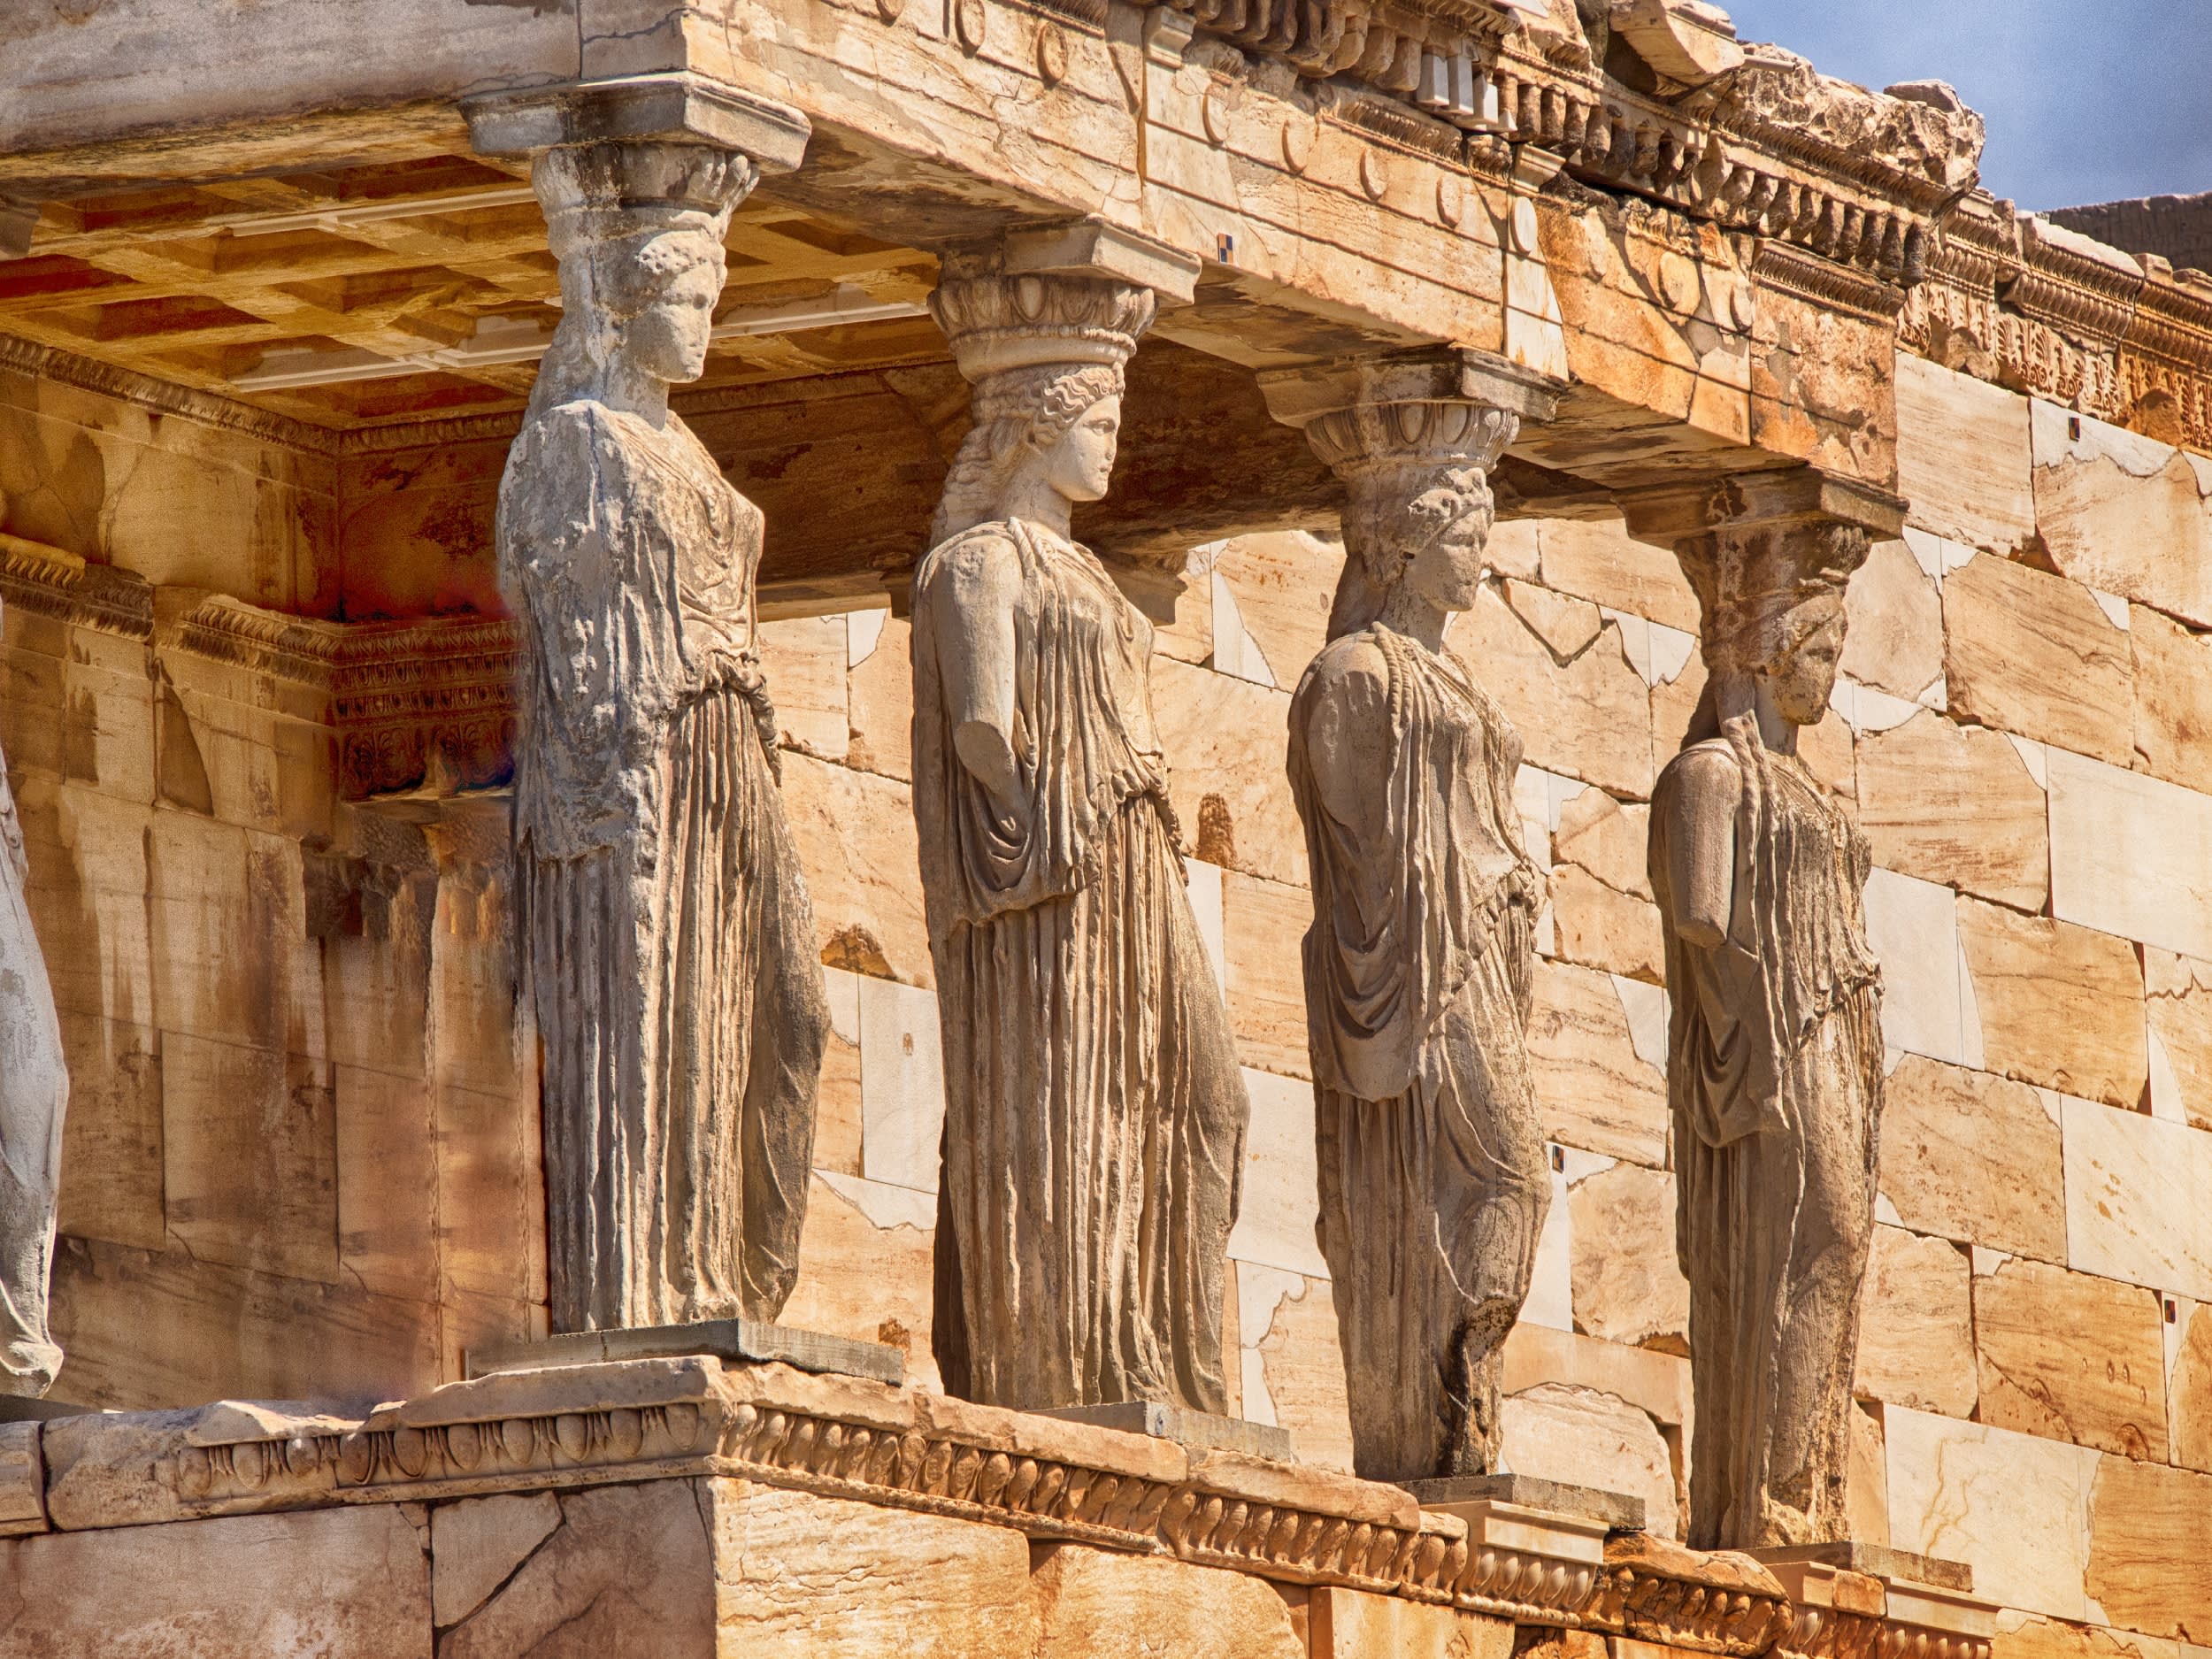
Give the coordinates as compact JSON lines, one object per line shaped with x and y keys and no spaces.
{"x":2124,"y":513}
{"x":1594,"y":1083}
{"x":335,"y":1584}
{"x":1895,"y":642}
{"x":1229,"y":733}
{"x":1601,"y":563}
{"x":2146,"y":1553}
{"x":1916,"y":1325}
{"x":1093,"y":1605}
{"x":2014,"y":1508}
{"x":476,"y":1543}
{"x":630,"y":1571}
{"x":2070,"y":1357}
{"x":1293,"y":1362}
{"x":2134,"y":1188}
{"x":2061,"y":1006}
{"x":2173,"y":699}
{"x":1582,"y":712}
{"x":2128,"y":853}
{"x":1585,"y":1437}
{"x":862,"y":868}
{"x":1963,"y":459}
{"x":799,"y":1574}
{"x":2028,"y":652}
{"x":1627,"y":1286}
{"x":2189,"y":1389}
{"x":1602,"y":927}
{"x":1956,"y":804}
{"x":1352,"y":1625}
{"x":1974,"y":1158}
{"x":867,"y":1268}
{"x":2179,"y":999}
{"x":1261,"y":924}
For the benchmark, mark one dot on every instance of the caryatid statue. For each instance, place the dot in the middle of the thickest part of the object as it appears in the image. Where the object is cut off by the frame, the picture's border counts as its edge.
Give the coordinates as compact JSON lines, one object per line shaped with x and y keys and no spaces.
{"x":669,"y":942}
{"x":1774,"y":1057}
{"x":1434,"y":1184}
{"x":1094,"y":1115}
{"x":33,"y":1097}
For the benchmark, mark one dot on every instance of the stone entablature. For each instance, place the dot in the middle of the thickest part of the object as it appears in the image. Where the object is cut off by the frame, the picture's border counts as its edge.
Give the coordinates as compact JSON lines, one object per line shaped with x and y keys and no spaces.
{"x":1765,"y":145}
{"x":2040,"y":308}
{"x":1056,"y":1482}
{"x":419,"y":706}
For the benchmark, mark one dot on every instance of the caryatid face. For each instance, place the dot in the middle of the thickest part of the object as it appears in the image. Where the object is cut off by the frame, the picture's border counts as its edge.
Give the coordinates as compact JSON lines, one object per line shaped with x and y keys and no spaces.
{"x":1803,"y":677}
{"x":1081,"y":464}
{"x":669,"y":338}
{"x":1447,"y":571}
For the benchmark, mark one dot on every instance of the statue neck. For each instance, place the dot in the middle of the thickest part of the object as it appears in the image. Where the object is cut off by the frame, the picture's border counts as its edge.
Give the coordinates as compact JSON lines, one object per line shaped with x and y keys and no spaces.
{"x":1737,"y":694}
{"x":1029,"y":496}
{"x":1405,"y":612}
{"x":624,"y":385}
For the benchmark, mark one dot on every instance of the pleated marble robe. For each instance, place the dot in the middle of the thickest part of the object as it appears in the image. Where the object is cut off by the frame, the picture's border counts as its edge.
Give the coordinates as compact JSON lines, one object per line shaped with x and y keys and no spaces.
{"x":669,"y":938}
{"x":1774,"y":1072}
{"x":1432,"y":1180}
{"x":1095,"y":1117}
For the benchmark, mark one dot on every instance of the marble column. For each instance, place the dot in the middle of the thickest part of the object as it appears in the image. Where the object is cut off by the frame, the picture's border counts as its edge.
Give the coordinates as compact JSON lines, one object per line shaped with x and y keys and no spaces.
{"x":667,"y":939}
{"x":1434,"y":1183}
{"x":1774,"y":1060}
{"x":1094,"y":1115}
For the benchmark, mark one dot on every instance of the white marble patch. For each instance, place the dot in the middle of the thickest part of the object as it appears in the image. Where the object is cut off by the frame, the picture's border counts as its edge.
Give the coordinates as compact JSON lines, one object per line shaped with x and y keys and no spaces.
{"x":1202,"y":882}
{"x":1275,"y":1226}
{"x":1236,"y":653}
{"x":2014,"y":1508}
{"x":883,"y":1205}
{"x":863,"y":630}
{"x":901,"y":1085}
{"x":2137,"y":1193}
{"x":1914,"y":929}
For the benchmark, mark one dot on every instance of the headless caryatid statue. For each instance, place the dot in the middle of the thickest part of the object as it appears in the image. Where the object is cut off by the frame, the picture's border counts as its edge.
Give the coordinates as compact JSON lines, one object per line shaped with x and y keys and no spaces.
{"x":670,"y":943}
{"x":1094,"y":1115}
{"x":1417,"y":966}
{"x":1774,"y":1061}
{"x":33,"y":1097}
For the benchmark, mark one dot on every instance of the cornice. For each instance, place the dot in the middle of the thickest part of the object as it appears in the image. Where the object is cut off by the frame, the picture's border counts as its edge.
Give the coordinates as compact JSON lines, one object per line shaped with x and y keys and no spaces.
{"x":903,"y":1449}
{"x":51,"y":362}
{"x":2053,"y":314}
{"x":1858,"y":179}
{"x":418,"y":706}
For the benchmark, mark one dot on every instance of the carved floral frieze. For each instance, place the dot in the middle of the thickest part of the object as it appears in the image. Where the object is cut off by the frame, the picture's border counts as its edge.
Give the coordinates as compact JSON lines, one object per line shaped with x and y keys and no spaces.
{"x":904,"y":1448}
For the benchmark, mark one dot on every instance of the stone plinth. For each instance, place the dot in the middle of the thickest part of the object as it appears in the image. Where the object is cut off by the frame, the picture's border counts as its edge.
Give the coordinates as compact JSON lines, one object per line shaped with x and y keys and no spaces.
{"x":1852,"y":1598}
{"x":732,"y":1340}
{"x":1199,"y":1429}
{"x":1619,"y":1511}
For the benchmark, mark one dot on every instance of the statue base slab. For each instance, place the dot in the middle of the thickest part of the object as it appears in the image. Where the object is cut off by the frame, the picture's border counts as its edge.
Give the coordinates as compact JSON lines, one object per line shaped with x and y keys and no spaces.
{"x":1185,"y":1428}
{"x":1876,"y":1561}
{"x":1918,"y":1594}
{"x":1618,"y":1510}
{"x":733,"y":1340}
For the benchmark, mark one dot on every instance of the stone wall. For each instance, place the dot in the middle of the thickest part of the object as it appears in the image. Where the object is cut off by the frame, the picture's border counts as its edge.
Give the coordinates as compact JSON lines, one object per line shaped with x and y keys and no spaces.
{"x":301,"y":1156}
{"x":302,"y":1147}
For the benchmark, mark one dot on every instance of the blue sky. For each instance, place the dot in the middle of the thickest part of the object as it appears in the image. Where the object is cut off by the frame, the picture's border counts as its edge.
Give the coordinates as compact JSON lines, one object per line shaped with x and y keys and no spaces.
{"x":2086,"y":100}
